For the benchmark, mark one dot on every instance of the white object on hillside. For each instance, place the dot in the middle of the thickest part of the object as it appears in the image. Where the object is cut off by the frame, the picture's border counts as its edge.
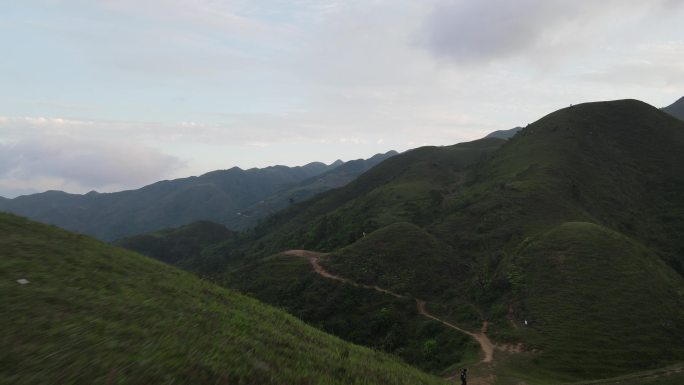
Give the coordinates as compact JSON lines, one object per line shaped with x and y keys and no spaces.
{"x":22,"y":281}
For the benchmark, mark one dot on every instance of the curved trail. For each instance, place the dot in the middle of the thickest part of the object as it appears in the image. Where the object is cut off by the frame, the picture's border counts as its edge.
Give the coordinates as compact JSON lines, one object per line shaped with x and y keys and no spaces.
{"x":481,"y":337}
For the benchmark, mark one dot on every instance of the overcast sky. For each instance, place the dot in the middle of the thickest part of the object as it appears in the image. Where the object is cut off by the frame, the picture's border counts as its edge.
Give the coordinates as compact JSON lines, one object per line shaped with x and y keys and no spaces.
{"x":116,"y":94}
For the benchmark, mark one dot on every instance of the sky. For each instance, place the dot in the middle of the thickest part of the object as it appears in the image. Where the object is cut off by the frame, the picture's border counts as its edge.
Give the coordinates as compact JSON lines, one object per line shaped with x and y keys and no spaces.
{"x":115,"y":94}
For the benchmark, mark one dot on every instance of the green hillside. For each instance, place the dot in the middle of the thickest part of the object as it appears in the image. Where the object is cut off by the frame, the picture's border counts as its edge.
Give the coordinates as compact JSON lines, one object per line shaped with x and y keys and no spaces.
{"x":192,"y":247}
{"x":597,"y":302}
{"x":388,"y":257}
{"x":410,"y":187}
{"x":466,"y":226}
{"x":355,"y":314}
{"x":95,"y":314}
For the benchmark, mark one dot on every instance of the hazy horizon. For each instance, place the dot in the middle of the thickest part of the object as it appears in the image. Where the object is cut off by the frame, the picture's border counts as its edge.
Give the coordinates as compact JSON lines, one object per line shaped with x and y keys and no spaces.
{"x":112,"y":95}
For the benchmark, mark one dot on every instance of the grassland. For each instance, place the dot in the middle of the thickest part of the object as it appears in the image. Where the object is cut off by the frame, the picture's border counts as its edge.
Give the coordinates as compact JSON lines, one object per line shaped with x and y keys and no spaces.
{"x":96,"y":314}
{"x":598,"y":303}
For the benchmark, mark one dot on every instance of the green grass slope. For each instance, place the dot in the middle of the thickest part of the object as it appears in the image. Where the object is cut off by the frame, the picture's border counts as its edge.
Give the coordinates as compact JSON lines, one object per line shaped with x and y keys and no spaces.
{"x":409,"y":187}
{"x":388,"y":257}
{"x":95,"y":314}
{"x":598,"y":303}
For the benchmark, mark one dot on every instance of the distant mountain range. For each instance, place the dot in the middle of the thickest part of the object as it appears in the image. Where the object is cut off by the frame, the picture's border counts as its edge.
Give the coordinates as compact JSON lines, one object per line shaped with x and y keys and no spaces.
{"x":504,"y":134}
{"x":236,"y":198}
{"x":676,"y":109}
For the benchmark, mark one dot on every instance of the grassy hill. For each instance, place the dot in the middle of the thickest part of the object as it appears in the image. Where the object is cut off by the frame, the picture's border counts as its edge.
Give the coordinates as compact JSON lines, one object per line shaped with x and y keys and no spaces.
{"x":95,"y":314}
{"x":388,"y":257}
{"x":409,"y":187}
{"x":598,"y":302}
{"x":468,"y":226}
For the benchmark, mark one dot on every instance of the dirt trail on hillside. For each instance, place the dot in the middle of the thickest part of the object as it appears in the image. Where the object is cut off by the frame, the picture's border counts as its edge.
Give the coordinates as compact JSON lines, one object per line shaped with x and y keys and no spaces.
{"x":481,"y":337}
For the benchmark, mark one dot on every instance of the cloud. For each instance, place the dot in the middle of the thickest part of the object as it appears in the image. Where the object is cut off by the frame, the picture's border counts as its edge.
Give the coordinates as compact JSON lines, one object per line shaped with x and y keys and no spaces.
{"x":660,"y":66}
{"x":471,"y":32}
{"x":82,"y":164}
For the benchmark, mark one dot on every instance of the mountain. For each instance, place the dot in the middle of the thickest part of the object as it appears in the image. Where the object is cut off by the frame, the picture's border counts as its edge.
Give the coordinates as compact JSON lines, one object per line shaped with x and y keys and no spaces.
{"x":563,"y":243}
{"x":78,"y":311}
{"x":347,"y":311}
{"x":218,"y":196}
{"x":676,"y":109}
{"x":504,"y":134}
{"x":341,"y":174}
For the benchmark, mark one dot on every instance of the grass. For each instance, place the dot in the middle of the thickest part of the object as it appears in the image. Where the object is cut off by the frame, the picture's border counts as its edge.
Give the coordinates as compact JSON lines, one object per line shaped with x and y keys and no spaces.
{"x":598,"y":303}
{"x":96,"y":314}
{"x":388,"y":258}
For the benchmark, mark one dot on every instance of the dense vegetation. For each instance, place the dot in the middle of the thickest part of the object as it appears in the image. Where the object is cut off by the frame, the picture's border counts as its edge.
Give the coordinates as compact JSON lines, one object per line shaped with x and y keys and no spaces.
{"x":95,"y":314}
{"x":195,"y":247}
{"x":370,"y":318}
{"x":236,"y":198}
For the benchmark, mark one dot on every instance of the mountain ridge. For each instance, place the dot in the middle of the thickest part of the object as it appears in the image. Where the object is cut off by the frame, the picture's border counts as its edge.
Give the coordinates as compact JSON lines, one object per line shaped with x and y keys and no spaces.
{"x":218,"y":196}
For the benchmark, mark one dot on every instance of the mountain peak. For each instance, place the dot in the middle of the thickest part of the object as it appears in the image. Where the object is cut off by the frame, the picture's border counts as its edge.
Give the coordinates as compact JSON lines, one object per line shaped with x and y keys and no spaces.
{"x":676,"y":109}
{"x":504,"y":134}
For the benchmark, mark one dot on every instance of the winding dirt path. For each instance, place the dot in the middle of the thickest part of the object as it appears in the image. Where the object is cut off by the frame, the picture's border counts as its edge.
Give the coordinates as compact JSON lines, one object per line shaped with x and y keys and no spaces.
{"x":314,"y":258}
{"x":481,"y":338}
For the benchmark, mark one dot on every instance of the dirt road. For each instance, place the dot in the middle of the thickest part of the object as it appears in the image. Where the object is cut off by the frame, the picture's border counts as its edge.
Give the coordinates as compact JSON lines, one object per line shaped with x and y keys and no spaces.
{"x":481,"y":338}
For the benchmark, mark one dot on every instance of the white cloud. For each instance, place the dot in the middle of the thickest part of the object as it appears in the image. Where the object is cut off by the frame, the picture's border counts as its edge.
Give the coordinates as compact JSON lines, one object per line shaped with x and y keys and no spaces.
{"x":81,"y":164}
{"x":473,"y":32}
{"x":220,"y":83}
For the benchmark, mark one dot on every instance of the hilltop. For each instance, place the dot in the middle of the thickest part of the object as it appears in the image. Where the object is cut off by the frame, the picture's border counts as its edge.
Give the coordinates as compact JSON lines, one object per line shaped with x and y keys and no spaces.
{"x":593,"y":191}
{"x":236,"y":198}
{"x":90,"y":313}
